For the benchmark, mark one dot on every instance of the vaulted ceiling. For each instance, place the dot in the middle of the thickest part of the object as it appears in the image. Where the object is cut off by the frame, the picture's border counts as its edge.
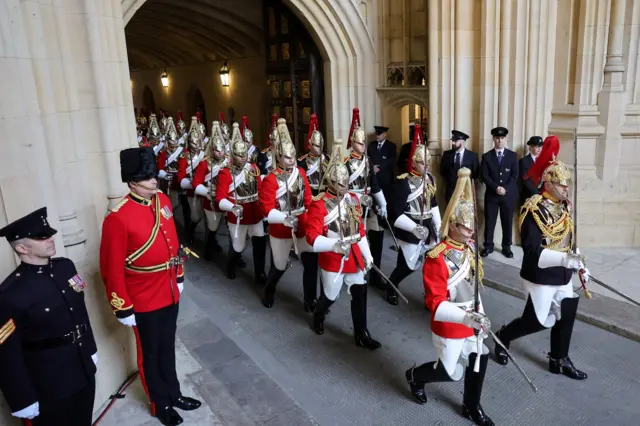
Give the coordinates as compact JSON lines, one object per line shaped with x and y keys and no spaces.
{"x":165,"y":33}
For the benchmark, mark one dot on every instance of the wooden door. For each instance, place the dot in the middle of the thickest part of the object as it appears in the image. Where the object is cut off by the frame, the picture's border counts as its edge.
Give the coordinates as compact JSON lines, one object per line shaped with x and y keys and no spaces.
{"x":294,"y":72}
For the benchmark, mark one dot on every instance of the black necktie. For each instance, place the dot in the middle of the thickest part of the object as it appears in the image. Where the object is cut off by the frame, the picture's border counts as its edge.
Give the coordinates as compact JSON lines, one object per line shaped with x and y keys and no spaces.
{"x":457,"y":160}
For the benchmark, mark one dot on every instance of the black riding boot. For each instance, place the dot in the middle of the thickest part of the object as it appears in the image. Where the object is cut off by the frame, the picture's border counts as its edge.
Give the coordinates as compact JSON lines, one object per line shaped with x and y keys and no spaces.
{"x":359,"y":317}
{"x":186,"y":211}
{"x":527,"y":324}
{"x":270,"y":287}
{"x":259,"y":257}
{"x":320,"y":312}
{"x":309,"y":280}
{"x":471,"y":407}
{"x":401,"y":272}
{"x":376,"y":241}
{"x":559,"y":361}
{"x":417,"y":377}
{"x":231,"y":263}
{"x":211,"y":246}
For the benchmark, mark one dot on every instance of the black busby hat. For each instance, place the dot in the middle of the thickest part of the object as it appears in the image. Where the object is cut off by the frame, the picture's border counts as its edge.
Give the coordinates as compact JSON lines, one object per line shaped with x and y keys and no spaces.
{"x":137,"y":164}
{"x":380,"y":129}
{"x":499,"y":131}
{"x":457,"y":135}
{"x":34,"y":225}
{"x":535,"y":140}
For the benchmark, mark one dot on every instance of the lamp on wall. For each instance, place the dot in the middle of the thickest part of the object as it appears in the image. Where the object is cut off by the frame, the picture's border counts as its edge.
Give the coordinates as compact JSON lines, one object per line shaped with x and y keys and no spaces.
{"x":164,"y":78}
{"x":224,"y":75}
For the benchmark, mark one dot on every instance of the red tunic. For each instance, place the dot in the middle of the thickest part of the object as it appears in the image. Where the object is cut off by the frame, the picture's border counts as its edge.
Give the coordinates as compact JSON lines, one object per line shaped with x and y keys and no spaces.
{"x":269,"y":202}
{"x":252,"y":212}
{"x":125,"y":229}
{"x":162,"y":164}
{"x":198,"y":179}
{"x":330,"y":261}
{"x":435,"y":277}
{"x":183,"y":163}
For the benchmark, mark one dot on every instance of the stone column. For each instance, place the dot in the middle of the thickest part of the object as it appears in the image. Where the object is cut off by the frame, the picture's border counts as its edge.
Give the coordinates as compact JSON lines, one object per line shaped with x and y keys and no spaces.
{"x":434,"y":117}
{"x":612,"y":98}
{"x":464,"y":66}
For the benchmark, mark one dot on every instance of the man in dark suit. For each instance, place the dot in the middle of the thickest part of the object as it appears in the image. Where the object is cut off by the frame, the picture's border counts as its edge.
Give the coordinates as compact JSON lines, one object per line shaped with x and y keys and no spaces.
{"x":383,"y":157}
{"x":456,"y":158}
{"x":527,"y":188}
{"x":405,"y":151}
{"x":499,"y":171}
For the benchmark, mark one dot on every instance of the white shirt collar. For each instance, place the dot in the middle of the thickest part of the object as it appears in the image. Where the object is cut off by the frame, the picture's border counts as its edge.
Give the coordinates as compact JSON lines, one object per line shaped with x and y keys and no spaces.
{"x":500,"y":151}
{"x":533,"y":157}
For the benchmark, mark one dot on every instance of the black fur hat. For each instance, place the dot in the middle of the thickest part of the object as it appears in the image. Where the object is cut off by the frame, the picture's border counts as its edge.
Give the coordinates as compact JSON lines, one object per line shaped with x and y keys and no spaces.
{"x":138,"y":164}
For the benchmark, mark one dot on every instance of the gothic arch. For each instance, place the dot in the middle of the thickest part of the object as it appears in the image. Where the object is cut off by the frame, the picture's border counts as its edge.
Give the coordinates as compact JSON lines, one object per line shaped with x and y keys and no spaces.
{"x":348,"y":50}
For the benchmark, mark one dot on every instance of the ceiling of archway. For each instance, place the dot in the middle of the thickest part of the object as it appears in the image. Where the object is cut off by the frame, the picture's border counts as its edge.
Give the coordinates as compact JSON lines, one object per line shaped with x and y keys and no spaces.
{"x":165,"y":33}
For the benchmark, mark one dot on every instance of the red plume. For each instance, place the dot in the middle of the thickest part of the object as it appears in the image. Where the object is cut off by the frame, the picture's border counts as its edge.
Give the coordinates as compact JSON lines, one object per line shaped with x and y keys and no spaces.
{"x":417,"y":141}
{"x":221,"y":118}
{"x":179,"y":115}
{"x":274,"y":125}
{"x":548,"y":155}
{"x":198,"y":116}
{"x":244,"y":125}
{"x":144,"y":142}
{"x":355,"y":120}
{"x":313,"y":125}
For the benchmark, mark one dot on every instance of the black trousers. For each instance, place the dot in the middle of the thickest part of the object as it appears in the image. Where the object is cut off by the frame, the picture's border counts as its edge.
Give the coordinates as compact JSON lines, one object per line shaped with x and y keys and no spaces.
{"x":76,"y":410}
{"x":492,"y":207}
{"x":156,"y":342}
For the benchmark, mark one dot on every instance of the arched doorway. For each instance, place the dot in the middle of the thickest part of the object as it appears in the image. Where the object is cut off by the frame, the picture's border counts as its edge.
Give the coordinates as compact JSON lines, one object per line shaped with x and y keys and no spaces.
{"x":148,"y":101}
{"x":341,"y":30}
{"x":196,"y":103}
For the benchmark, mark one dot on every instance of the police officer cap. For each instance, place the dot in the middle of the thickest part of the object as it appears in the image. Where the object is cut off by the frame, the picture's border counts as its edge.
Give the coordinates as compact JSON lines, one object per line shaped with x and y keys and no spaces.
{"x":380,"y":129}
{"x":499,"y":131}
{"x":138,"y":164}
{"x":535,"y":140}
{"x":457,"y":135}
{"x":34,"y":226}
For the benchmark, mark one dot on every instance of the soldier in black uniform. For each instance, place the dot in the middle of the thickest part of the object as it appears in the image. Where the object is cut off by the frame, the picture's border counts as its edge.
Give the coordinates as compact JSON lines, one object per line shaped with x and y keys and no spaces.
{"x":528,"y":189}
{"x":499,"y":171}
{"x":48,"y":355}
{"x":382,"y":153}
{"x":455,"y":159}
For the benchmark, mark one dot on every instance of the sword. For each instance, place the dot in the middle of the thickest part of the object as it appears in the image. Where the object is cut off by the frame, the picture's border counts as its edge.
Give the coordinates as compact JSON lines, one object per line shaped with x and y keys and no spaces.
{"x":395,"y":240}
{"x":587,"y":294}
{"x":294,"y":238}
{"x":613,"y":290}
{"x":513,"y":361}
{"x":375,"y":268}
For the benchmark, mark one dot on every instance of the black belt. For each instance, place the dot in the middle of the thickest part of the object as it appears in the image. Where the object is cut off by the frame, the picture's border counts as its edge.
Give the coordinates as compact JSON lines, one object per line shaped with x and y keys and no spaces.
{"x":70,"y":338}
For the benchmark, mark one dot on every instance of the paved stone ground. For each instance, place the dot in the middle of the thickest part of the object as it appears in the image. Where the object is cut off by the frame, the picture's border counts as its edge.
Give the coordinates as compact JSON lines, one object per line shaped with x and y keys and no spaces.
{"x":261,"y":366}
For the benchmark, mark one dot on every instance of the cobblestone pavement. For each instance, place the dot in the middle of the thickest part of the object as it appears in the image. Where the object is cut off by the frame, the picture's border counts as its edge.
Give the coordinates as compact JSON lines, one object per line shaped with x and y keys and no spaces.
{"x":266,"y":366}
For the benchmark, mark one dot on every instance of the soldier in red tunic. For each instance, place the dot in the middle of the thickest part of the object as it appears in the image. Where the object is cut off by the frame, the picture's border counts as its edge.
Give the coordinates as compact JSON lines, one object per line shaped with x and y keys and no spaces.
{"x":266,"y":158}
{"x":141,"y":263}
{"x":237,"y":194}
{"x":285,"y":196}
{"x":205,"y":181}
{"x":448,"y":276}
{"x":247,"y":137}
{"x":169,"y":158}
{"x":335,"y":230}
{"x":186,"y":170}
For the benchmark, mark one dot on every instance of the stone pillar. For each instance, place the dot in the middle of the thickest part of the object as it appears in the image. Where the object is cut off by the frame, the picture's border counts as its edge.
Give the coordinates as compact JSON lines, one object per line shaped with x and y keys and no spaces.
{"x":434,"y":117}
{"x":464,"y":66}
{"x":612,"y":98}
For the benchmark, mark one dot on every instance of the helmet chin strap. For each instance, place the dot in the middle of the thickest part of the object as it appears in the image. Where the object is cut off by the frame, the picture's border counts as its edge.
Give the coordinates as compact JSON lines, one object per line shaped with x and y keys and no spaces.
{"x":557,"y":193}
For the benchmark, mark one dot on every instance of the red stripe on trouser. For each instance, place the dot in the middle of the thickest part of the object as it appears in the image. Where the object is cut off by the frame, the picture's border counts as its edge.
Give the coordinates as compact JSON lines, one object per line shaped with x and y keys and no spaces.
{"x":28,"y":423}
{"x":141,"y":370}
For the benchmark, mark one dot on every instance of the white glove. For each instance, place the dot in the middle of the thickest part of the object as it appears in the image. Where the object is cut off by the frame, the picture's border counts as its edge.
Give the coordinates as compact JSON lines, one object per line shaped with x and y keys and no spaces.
{"x":237,"y":210}
{"x":181,"y":287}
{"x":422,"y":232}
{"x":477,"y":320}
{"x":28,"y":413}
{"x":129,"y":321}
{"x":162,"y":174}
{"x":585,"y":274}
{"x":571,"y":262}
{"x":382,"y":211}
{"x":291,"y":222}
{"x":94,"y":357}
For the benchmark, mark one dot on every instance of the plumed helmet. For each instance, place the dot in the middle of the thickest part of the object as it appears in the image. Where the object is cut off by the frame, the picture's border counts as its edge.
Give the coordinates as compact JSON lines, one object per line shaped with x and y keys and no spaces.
{"x":337,"y":172}
{"x":238,"y":147}
{"x":419,"y":152}
{"x":547,"y":167}
{"x":461,"y":208}
{"x":195,"y":139}
{"x":315,"y":137}
{"x":356,"y":134}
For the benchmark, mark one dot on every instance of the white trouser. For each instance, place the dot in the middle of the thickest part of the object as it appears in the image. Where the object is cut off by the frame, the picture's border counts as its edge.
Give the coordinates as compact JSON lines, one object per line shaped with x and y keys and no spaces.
{"x":196,"y":207}
{"x":256,"y":230}
{"x":213,"y":219}
{"x":412,"y":254}
{"x":454,"y":353}
{"x":281,"y":247}
{"x":372,"y":223}
{"x":547,"y":299}
{"x":332,"y":282}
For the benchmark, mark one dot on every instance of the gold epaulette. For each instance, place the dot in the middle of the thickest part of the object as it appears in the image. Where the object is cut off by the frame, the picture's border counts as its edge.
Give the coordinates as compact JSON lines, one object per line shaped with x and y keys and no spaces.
{"x":435,"y":252}
{"x":403,"y":176}
{"x":530,"y":205}
{"x":120,"y":204}
{"x":318,"y":197}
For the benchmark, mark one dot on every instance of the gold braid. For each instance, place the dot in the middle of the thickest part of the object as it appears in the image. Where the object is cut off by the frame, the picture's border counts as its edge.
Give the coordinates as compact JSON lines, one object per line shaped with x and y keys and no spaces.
{"x":556,"y":232}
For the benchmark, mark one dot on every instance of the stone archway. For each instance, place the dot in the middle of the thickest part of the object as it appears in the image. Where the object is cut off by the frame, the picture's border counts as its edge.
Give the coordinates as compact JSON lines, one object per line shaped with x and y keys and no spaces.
{"x":348,"y":49}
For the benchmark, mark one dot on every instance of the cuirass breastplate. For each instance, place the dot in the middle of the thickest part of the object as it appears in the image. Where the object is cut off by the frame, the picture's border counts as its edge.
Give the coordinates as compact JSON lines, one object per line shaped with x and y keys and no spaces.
{"x":460,"y":284}
{"x":360,"y":184}
{"x":253,"y":158}
{"x":348,"y":221}
{"x":213,"y":182}
{"x":420,"y":205}
{"x":248,"y":190}
{"x":314,"y":178}
{"x":293,"y":200}
{"x":271,"y":160}
{"x":172,"y":168}
{"x":554,"y":217}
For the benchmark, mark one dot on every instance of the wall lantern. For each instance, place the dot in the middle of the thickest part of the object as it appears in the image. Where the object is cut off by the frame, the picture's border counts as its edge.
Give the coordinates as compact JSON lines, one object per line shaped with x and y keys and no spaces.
{"x":164,"y":78}
{"x":224,"y":75}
